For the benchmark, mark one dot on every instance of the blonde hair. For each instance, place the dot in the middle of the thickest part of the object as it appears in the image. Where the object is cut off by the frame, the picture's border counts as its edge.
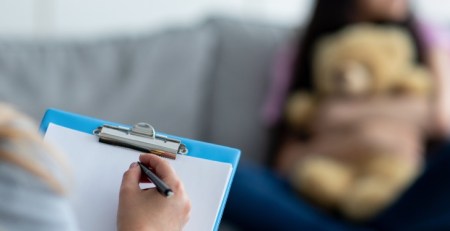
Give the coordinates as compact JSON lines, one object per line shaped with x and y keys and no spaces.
{"x":22,"y":138}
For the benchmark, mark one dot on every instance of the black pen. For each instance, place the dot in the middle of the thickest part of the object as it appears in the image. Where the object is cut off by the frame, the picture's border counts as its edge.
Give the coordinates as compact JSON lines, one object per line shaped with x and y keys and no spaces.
{"x":162,"y":187}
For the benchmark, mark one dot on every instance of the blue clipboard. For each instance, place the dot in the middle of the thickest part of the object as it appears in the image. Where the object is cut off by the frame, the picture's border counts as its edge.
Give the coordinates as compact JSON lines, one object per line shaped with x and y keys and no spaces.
{"x":196,"y":148}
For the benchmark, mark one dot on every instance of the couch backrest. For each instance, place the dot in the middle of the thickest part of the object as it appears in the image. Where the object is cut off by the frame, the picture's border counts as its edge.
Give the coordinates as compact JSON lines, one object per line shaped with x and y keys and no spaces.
{"x":157,"y":78}
{"x":245,"y":58}
{"x":205,"y":82}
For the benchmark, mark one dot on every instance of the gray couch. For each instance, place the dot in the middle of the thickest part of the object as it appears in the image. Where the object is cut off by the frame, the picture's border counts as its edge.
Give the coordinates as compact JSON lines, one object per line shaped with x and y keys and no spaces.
{"x":205,"y":82}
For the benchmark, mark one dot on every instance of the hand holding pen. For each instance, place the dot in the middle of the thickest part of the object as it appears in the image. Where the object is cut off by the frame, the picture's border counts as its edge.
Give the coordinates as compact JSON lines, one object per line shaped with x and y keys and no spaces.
{"x":161,"y":186}
{"x":147,"y":208}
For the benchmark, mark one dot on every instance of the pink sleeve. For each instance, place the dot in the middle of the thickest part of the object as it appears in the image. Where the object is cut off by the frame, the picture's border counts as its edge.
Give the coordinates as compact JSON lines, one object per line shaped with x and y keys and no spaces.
{"x":279,"y":85}
{"x":434,"y":37}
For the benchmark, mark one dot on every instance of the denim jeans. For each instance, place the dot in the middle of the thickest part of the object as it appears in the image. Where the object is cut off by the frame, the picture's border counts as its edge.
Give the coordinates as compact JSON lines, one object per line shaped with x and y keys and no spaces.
{"x":261,"y":200}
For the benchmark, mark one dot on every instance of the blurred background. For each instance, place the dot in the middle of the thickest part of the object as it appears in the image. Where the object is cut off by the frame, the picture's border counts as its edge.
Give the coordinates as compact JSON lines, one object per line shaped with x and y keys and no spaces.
{"x":81,"y":18}
{"x":194,"y":68}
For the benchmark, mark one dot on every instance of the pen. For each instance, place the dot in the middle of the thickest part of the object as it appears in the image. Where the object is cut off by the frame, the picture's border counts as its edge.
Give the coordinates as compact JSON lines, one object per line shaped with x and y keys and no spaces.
{"x":162,"y":187}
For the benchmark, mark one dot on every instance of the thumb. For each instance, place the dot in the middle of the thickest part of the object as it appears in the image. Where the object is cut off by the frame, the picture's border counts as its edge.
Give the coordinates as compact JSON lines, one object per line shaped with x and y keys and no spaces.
{"x":130,"y":179}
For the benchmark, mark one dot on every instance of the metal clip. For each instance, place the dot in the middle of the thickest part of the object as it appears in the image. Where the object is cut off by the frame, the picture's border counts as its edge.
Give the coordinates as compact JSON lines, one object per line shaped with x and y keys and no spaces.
{"x":141,"y":137}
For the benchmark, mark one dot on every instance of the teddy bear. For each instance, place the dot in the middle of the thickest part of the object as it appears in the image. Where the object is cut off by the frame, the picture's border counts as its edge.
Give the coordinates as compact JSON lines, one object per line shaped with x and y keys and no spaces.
{"x":364,"y":65}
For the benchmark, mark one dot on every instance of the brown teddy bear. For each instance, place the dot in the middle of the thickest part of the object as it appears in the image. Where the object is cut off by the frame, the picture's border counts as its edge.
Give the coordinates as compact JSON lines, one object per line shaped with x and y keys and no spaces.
{"x":364,"y":65}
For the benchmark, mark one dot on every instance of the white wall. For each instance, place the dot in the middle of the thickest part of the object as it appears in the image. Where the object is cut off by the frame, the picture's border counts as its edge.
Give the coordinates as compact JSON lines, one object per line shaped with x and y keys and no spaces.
{"x":16,"y":17}
{"x":80,"y":18}
{"x":37,"y":18}
{"x":437,"y":11}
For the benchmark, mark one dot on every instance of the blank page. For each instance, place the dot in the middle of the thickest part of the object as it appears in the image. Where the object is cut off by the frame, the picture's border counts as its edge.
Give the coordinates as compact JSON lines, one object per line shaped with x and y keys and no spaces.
{"x":97,"y":171}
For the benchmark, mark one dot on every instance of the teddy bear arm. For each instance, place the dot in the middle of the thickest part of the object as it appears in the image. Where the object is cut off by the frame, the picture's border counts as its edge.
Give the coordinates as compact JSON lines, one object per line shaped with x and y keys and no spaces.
{"x":416,"y":82}
{"x":300,"y":111}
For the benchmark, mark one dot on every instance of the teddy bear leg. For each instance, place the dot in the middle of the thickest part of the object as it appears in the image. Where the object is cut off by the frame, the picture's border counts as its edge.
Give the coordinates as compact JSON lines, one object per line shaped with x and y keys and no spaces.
{"x":323,"y":180}
{"x":382,"y":180}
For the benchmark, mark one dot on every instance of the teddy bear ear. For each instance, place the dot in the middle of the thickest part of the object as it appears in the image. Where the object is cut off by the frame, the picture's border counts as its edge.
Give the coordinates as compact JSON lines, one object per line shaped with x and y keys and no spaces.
{"x":398,"y":44}
{"x":326,"y":52}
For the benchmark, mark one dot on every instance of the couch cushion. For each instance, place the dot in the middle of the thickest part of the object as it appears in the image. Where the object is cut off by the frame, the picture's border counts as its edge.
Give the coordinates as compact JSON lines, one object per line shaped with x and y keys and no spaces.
{"x":244,"y":61}
{"x":154,"y":78}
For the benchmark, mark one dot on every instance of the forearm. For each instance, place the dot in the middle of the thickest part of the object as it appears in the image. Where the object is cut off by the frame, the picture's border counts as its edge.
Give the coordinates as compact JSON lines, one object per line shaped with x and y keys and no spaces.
{"x":415,"y":110}
{"x":441,"y":116}
{"x":440,"y":68}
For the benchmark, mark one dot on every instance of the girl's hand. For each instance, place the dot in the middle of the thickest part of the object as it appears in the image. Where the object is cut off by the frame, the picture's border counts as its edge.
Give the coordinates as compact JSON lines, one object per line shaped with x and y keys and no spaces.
{"x":335,"y":114}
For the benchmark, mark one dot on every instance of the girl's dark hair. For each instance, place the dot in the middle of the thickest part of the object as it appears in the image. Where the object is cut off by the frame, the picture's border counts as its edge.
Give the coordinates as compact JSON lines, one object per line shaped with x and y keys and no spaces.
{"x":328,"y":16}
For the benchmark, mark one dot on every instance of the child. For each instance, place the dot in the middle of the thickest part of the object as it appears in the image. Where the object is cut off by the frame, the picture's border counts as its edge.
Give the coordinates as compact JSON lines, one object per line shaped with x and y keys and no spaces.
{"x":261,"y":199}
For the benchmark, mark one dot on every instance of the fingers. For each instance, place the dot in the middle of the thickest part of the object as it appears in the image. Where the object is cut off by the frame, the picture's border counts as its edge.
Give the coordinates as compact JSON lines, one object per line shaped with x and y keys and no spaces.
{"x":130,"y":180}
{"x":161,"y":168}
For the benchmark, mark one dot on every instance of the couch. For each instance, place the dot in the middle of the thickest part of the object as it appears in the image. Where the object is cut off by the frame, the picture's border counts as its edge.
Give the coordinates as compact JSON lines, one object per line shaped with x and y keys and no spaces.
{"x":206,"y":82}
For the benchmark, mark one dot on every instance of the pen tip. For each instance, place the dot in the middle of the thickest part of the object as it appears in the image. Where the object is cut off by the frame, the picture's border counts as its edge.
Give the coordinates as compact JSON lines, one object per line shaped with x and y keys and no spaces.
{"x":169,"y":194}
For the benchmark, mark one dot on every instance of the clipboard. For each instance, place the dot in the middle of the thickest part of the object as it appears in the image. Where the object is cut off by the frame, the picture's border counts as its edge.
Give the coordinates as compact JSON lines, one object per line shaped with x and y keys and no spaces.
{"x":196,"y":149}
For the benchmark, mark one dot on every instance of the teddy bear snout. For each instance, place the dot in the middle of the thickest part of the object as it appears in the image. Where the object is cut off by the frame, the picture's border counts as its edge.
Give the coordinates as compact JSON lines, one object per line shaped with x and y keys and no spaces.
{"x":351,"y":79}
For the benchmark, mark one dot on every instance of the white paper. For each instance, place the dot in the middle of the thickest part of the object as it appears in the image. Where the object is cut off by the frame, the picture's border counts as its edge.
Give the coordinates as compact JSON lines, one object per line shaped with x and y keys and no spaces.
{"x":98,"y":168}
